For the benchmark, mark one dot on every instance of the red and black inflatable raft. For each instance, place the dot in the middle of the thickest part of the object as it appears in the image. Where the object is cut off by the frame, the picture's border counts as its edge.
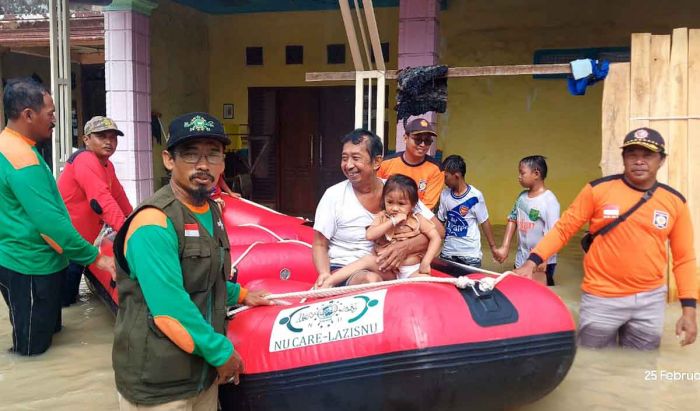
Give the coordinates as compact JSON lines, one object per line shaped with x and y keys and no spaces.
{"x":403,"y":347}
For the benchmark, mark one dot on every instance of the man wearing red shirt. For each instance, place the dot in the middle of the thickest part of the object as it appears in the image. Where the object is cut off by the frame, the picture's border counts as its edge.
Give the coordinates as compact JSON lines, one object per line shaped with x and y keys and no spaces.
{"x":92,"y":192}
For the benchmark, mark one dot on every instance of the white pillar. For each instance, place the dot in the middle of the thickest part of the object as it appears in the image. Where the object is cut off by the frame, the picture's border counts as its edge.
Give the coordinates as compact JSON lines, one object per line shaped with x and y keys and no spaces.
{"x":59,"y":39}
{"x":419,"y":33}
{"x":128,"y":86}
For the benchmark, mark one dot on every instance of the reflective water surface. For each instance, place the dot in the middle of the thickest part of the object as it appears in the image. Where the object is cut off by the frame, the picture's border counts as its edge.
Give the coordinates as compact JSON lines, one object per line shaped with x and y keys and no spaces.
{"x":76,"y":373}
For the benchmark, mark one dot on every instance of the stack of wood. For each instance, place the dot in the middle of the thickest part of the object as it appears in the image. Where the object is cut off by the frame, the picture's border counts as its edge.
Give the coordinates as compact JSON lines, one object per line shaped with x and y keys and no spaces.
{"x":660,"y":89}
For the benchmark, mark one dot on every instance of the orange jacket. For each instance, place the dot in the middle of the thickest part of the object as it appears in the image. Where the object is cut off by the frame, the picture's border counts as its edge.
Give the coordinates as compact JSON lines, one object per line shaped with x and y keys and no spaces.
{"x":632,"y":257}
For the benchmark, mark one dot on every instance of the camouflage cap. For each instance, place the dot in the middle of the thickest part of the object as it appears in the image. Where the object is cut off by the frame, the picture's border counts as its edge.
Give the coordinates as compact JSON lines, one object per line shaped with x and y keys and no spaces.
{"x":101,"y":123}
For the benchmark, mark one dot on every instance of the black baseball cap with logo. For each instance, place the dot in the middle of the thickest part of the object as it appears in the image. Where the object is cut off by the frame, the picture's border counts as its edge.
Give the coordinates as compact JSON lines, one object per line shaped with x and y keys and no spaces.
{"x":195,"y":125}
{"x":647,"y":138}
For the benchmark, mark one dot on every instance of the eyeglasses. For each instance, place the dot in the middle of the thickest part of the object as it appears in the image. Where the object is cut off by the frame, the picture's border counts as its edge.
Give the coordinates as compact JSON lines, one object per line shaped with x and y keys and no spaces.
{"x":193,"y":157}
{"x":422,"y":140}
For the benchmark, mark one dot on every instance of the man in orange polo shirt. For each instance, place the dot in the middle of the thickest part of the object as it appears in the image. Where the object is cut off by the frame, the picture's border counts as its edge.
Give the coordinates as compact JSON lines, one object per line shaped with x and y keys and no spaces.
{"x":416,"y":163}
{"x":624,"y":289}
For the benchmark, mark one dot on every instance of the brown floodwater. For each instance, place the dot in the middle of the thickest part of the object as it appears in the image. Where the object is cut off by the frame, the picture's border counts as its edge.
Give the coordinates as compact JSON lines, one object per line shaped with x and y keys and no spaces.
{"x":76,"y":372}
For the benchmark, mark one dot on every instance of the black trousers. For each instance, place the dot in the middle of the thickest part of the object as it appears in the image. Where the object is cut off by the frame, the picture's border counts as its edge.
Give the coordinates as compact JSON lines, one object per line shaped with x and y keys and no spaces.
{"x":550,"y":273}
{"x":35,"y":308}
{"x":71,"y":284}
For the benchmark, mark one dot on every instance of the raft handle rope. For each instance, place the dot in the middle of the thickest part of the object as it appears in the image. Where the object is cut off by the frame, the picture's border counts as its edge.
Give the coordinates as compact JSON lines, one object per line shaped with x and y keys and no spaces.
{"x":275,"y":235}
{"x":268,"y":209}
{"x":485,"y":284}
{"x":265,"y":229}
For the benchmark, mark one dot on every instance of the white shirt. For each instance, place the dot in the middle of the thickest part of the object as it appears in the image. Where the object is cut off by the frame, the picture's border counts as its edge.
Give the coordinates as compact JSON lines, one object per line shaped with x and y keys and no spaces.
{"x":462,"y":216}
{"x":342,"y":219}
{"x":534,"y":217}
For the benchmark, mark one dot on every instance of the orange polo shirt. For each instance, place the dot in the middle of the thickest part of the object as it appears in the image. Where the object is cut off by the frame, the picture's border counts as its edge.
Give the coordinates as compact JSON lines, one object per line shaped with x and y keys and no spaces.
{"x":632,"y":257}
{"x":427,"y":174}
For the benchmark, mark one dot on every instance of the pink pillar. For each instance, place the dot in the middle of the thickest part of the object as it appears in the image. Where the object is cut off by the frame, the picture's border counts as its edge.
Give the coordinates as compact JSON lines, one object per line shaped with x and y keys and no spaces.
{"x":419,"y":33}
{"x":128,"y":85}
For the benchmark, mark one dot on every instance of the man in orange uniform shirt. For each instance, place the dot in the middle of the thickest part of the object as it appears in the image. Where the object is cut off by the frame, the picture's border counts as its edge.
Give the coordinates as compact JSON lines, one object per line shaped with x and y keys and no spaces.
{"x":416,"y":163}
{"x":624,"y":289}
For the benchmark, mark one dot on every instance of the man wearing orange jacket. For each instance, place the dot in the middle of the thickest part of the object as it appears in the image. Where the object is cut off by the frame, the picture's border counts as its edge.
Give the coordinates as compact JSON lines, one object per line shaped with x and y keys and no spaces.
{"x":624,"y":289}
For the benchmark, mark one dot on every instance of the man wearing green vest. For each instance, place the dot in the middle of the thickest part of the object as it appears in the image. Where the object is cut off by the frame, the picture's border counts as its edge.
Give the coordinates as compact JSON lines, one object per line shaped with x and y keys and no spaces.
{"x":170,"y":347}
{"x":37,"y":238}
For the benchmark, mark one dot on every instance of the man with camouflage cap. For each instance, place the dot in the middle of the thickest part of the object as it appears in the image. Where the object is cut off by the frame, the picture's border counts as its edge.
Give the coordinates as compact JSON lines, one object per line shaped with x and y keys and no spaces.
{"x":92,"y":192}
{"x":173,"y":260}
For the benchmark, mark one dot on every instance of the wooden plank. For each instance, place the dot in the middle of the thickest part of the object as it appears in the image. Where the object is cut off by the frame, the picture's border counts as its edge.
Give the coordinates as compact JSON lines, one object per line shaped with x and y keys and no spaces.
{"x":374,"y":34}
{"x":352,"y":36}
{"x":678,"y":131}
{"x":677,"y":139}
{"x":365,"y":44}
{"x":660,"y":55}
{"x":516,"y":70}
{"x":660,"y":67}
{"x":640,"y":78}
{"x":693,"y":193}
{"x":615,"y":118}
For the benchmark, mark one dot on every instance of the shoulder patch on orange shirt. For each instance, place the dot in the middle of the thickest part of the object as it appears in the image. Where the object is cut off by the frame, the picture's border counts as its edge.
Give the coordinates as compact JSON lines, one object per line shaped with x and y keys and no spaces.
{"x":672,"y":191}
{"x":434,"y":161}
{"x":17,"y":151}
{"x":604,"y":179}
{"x":175,"y":331}
{"x":147,"y":216}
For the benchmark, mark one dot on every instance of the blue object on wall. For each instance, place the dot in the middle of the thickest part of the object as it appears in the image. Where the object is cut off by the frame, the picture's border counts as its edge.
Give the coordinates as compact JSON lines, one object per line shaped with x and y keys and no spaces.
{"x":600,"y":71}
{"x":565,"y":56}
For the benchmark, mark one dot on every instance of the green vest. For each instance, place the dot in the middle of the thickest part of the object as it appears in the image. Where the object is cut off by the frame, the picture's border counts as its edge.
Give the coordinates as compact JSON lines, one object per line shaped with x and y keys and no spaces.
{"x":149,"y":368}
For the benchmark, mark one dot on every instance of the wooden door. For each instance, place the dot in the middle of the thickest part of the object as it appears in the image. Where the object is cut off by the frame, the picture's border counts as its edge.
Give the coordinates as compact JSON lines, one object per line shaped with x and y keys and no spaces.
{"x":297,"y":128}
{"x":336,"y":118}
{"x":262,"y":145}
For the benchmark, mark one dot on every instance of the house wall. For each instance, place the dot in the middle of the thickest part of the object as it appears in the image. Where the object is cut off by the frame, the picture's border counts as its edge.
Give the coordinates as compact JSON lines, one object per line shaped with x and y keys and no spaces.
{"x":179,"y":68}
{"x":24,"y":65}
{"x":199,"y":63}
{"x":229,"y":35}
{"x":494,"y":121}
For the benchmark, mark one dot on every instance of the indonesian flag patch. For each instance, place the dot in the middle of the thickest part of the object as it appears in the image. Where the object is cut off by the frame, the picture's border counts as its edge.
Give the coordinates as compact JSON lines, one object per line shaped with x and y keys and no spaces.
{"x":611,"y":211}
{"x":191,"y":230}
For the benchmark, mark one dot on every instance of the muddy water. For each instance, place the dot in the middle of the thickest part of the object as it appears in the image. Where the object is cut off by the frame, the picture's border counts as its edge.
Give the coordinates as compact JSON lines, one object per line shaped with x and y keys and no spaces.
{"x":76,"y":373}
